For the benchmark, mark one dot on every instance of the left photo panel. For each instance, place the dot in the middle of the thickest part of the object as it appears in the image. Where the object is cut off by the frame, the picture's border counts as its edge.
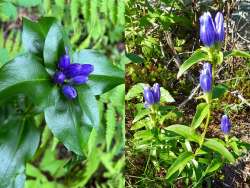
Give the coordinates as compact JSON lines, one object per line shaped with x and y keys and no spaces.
{"x":62,"y":90}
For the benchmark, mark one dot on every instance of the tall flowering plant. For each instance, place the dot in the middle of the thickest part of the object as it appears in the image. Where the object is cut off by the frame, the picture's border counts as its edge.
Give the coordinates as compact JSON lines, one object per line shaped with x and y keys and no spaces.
{"x":201,"y":154}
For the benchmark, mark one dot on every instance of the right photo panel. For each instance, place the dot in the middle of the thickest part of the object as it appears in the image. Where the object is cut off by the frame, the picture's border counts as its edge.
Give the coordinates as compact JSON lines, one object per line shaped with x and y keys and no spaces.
{"x":187,"y":94}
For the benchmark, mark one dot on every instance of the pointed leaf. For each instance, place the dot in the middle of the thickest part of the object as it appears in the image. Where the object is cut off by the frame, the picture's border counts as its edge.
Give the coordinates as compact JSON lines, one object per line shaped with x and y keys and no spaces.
{"x":105,"y":75}
{"x":65,"y":120}
{"x":201,"y":113}
{"x":166,"y":96}
{"x":196,"y":57}
{"x":179,"y":163}
{"x":185,"y":131}
{"x":220,"y":148}
{"x":19,"y":140}
{"x":34,"y":33}
{"x":26,"y":75}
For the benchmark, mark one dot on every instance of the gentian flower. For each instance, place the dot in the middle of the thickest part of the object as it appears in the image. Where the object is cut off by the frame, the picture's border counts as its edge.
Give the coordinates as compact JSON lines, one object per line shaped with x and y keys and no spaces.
{"x":77,"y":69}
{"x":152,"y":95}
{"x":210,"y":31}
{"x":219,"y":25}
{"x":72,"y":74}
{"x":69,"y":92}
{"x":77,"y":80}
{"x":225,"y":124}
{"x":148,"y":96}
{"x":64,"y":62}
{"x":59,"y":77}
{"x":206,"y":78}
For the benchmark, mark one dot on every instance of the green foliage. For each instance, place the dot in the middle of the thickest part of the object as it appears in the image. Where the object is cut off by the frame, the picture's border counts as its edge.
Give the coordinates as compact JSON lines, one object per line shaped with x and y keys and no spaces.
{"x":196,"y":57}
{"x":18,"y":143}
{"x":71,"y":122}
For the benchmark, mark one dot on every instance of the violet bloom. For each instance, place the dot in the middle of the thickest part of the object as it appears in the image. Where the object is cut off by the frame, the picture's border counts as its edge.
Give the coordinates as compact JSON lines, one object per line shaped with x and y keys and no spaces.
{"x":225,"y":124}
{"x":206,"y":78}
{"x":211,"y":31}
{"x":69,"y":92}
{"x":59,"y":77}
{"x":64,"y":62}
{"x":71,"y":74}
{"x":77,"y":69}
{"x":219,"y":26}
{"x":152,"y":95}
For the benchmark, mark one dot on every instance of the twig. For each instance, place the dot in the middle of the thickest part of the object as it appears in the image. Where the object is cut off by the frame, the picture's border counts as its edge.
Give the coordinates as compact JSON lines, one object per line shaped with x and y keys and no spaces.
{"x":193,"y":92}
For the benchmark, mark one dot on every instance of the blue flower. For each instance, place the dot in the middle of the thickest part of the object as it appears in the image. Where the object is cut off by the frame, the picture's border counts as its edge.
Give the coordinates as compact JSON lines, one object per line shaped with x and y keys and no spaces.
{"x":64,"y":62}
{"x":148,"y":96}
{"x":69,"y":92}
{"x":206,"y":78}
{"x":59,"y":77}
{"x":152,"y":95}
{"x":210,"y":31}
{"x":219,"y":25}
{"x":71,"y":74}
{"x":225,"y":124}
{"x":78,"y":80}
{"x":77,"y":69}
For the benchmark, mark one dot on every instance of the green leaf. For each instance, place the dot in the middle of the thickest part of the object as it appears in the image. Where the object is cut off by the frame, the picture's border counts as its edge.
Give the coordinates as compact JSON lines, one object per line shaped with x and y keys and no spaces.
{"x":166,"y":96}
{"x":179,"y":163}
{"x":92,"y":165}
{"x":26,"y":75}
{"x":65,"y":120}
{"x":218,"y":147}
{"x":28,"y":3}
{"x":105,"y":76}
{"x":219,"y":90}
{"x":219,"y":57}
{"x":237,"y":53}
{"x":19,"y":139}
{"x":88,"y":104}
{"x":134,"y":91}
{"x":111,"y":125}
{"x":141,"y":114}
{"x":7,"y":10}
{"x":214,"y":165}
{"x":34,"y":33}
{"x":185,"y":131}
{"x":4,"y":56}
{"x":135,"y":58}
{"x":53,"y":47}
{"x":197,"y":56}
{"x":201,"y":113}
{"x":139,"y":124}
{"x":50,"y":163}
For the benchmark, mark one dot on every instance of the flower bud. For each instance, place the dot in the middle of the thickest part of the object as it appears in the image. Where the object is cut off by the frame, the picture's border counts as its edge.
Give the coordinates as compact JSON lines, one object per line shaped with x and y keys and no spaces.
{"x":148,"y":96}
{"x":207,"y":29}
{"x":77,"y":69}
{"x":59,"y":77}
{"x":206,"y":80}
{"x":64,"y":62}
{"x":208,"y":68}
{"x":219,"y":26}
{"x":69,"y":92}
{"x":156,"y":92}
{"x":225,"y":124}
{"x":79,"y":80}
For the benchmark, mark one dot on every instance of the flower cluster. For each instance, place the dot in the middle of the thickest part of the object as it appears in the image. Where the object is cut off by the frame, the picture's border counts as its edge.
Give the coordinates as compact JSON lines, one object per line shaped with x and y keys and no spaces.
{"x":152,"y":95}
{"x":211,"y":31}
{"x":69,"y":75}
{"x":206,"y":78}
